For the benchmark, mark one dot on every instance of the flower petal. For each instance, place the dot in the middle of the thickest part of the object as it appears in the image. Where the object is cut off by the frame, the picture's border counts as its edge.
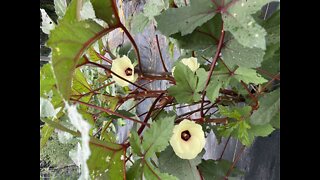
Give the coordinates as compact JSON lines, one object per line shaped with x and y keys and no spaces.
{"x":119,"y":67}
{"x":172,"y":71}
{"x":193,"y":146}
{"x":191,"y":62}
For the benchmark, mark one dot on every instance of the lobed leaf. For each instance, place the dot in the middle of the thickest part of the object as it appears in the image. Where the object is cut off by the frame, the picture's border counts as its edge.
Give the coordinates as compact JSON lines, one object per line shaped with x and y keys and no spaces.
{"x":105,"y":163}
{"x":185,"y":19}
{"x":170,"y":163}
{"x":248,"y":76}
{"x":241,"y":24}
{"x":156,"y":138}
{"x":186,"y":83}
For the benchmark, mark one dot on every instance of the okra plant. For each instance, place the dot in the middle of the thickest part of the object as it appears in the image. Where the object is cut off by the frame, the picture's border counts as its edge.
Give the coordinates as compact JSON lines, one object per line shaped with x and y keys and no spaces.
{"x":224,"y":58}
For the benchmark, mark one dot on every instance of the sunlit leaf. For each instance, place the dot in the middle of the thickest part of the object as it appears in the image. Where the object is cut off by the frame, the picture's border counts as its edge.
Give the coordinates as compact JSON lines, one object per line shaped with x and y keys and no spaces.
{"x":235,"y":54}
{"x":105,"y":163}
{"x":240,"y":23}
{"x":156,"y":138}
{"x":202,"y":78}
{"x":68,"y":46}
{"x":216,"y":83}
{"x":248,"y":76}
{"x":46,"y":132}
{"x":138,"y":23}
{"x":186,"y":18}
{"x":106,"y":10}
{"x":186,"y":82}
{"x":203,"y":37}
{"x":135,"y":143}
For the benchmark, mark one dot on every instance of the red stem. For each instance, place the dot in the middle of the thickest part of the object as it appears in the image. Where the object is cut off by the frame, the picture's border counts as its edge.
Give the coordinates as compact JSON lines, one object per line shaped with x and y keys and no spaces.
{"x":145,"y":94}
{"x":110,"y":112}
{"x":230,"y":72}
{"x":213,"y":105}
{"x":86,"y":61}
{"x":134,"y":45}
{"x":251,"y":95}
{"x":163,"y":65}
{"x":137,"y":104}
{"x":180,"y":117}
{"x":163,"y":106}
{"x":269,"y":83}
{"x":224,"y":148}
{"x":93,"y":91}
{"x":103,"y":58}
{"x":162,"y":77}
{"x":225,"y":8}
{"x":268,"y":74}
{"x":101,"y":66}
{"x":149,"y":113}
{"x":93,"y":39}
{"x":105,"y":147}
{"x":155,"y":174}
{"x":213,"y":64}
{"x":234,"y":163}
{"x":215,"y":120}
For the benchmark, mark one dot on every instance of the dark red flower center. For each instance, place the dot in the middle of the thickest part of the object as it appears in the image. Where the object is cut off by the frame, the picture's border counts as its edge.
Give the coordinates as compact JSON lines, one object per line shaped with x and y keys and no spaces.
{"x":185,"y":135}
{"x":128,"y":71}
